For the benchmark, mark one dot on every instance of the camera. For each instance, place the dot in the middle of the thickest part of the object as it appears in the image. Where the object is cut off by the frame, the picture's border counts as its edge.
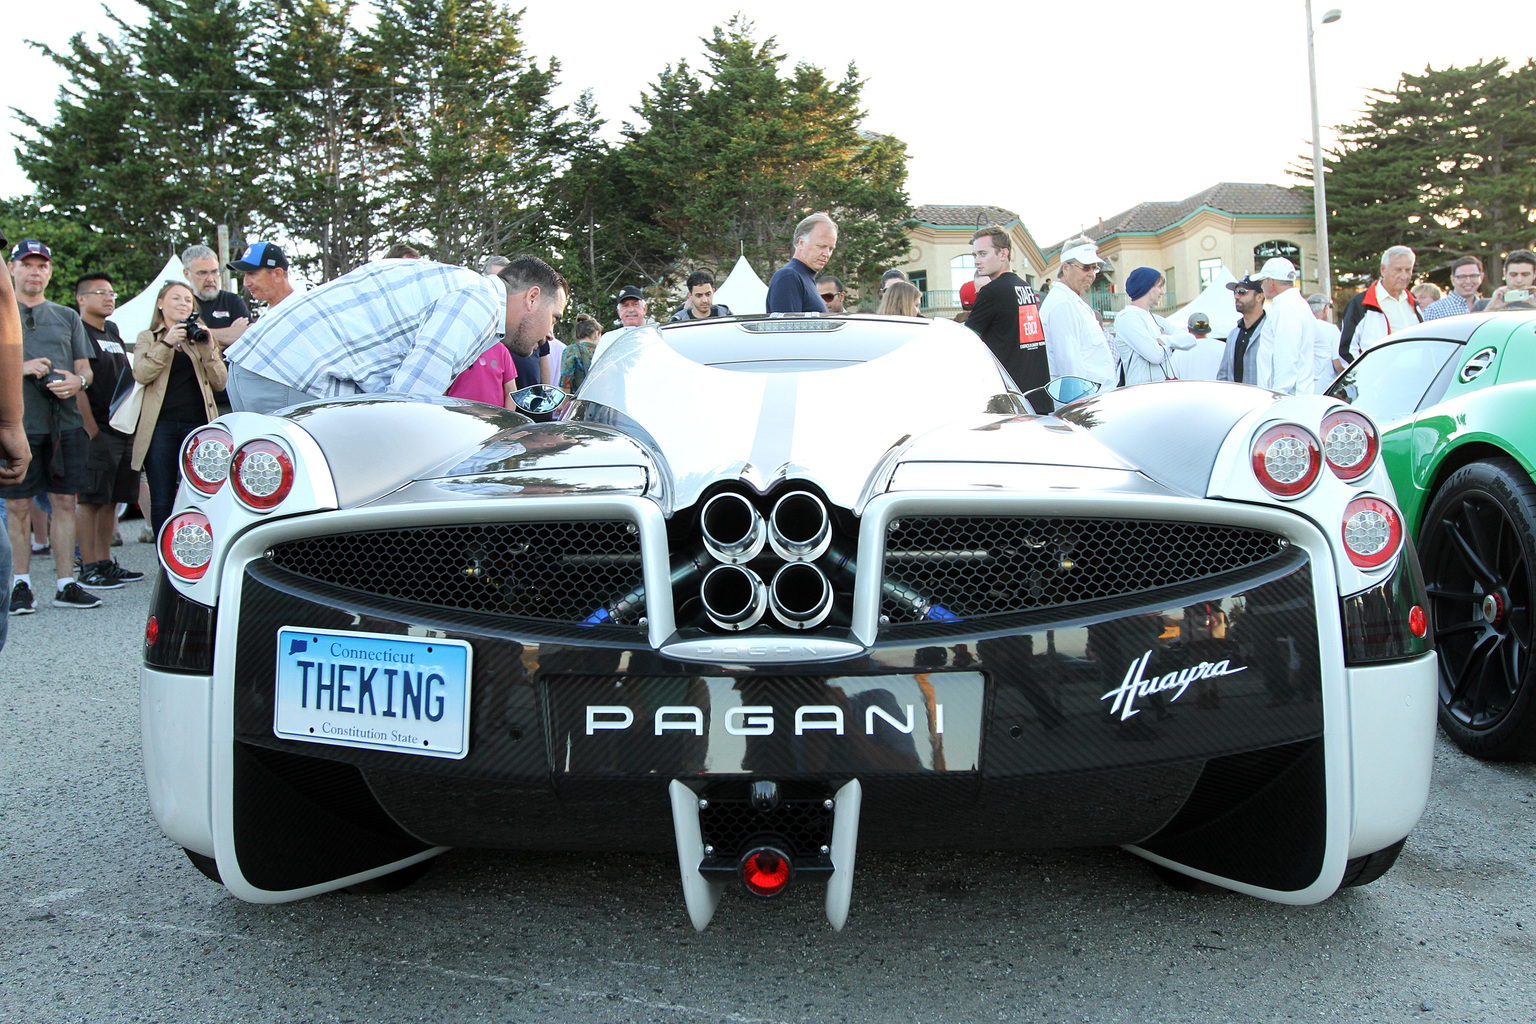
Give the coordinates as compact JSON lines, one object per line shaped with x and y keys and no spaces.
{"x":196,"y":332}
{"x":54,"y":377}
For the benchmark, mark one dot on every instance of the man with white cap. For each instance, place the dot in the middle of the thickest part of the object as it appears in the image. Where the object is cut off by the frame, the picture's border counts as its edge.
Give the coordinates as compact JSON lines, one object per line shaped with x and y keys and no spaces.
{"x":1285,"y":350}
{"x":1075,"y":345}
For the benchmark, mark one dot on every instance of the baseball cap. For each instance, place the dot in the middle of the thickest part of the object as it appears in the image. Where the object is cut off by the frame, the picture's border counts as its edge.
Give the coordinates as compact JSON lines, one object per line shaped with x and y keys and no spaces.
{"x":629,"y":291}
{"x":31,"y":247}
{"x":968,"y":295}
{"x":1277,"y":268}
{"x":257,"y":256}
{"x":1199,"y":322}
{"x":1247,"y":282}
{"x":1086,"y":254}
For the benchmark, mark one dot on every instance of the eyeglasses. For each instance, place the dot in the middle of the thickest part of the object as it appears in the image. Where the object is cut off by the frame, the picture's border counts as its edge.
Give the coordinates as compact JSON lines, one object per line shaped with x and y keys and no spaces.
{"x":204,"y":273}
{"x":1078,"y":266}
{"x":1467,"y":277}
{"x":109,"y":293}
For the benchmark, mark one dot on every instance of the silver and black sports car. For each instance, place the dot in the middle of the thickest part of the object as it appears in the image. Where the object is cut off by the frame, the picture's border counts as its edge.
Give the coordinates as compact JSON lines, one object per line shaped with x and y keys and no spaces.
{"x":773,"y":590}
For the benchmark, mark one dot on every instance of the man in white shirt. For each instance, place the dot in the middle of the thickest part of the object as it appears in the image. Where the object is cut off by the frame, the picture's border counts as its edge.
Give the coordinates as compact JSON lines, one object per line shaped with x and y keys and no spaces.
{"x":1385,"y":306}
{"x":1285,"y":351}
{"x":1326,"y":364}
{"x":1075,"y":345}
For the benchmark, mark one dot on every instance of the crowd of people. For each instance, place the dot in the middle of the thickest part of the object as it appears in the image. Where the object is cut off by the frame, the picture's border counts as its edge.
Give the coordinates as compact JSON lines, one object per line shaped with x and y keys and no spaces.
{"x":92,"y":430}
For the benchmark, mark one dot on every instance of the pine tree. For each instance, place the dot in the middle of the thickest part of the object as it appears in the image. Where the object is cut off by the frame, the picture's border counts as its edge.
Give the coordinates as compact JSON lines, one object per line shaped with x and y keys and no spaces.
{"x":1445,"y":164}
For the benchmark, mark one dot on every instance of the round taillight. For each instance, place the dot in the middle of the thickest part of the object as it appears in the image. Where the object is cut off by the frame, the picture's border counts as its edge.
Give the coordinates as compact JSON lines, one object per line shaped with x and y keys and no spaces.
{"x":205,"y":458}
{"x":1373,"y":531}
{"x":151,"y":631}
{"x":765,"y":871}
{"x":186,"y":545}
{"x":261,"y":473}
{"x":1417,"y":621}
{"x":1350,"y":443}
{"x":1287,"y":459}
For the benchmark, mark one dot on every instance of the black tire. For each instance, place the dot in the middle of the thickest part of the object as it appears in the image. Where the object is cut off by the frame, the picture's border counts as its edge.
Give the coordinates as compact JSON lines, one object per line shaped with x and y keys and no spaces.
{"x":1365,"y":870}
{"x":1478,"y":550}
{"x":207,"y":865}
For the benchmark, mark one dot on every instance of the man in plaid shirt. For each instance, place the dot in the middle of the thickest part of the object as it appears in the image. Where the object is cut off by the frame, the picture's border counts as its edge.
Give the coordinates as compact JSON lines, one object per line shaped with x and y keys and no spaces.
{"x":401,"y":326}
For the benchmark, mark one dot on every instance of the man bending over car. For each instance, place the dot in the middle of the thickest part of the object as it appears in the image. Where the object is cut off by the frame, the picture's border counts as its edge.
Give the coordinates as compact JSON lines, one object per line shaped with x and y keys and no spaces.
{"x":401,"y":326}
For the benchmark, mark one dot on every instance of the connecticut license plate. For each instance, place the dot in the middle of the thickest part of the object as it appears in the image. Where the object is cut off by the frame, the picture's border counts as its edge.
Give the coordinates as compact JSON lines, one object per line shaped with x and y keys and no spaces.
{"x":373,"y":690}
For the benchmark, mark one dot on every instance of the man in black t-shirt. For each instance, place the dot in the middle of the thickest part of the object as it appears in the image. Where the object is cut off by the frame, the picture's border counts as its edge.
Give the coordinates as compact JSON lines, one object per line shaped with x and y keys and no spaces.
{"x":223,"y":313}
{"x":109,"y":474}
{"x":1007,"y":312}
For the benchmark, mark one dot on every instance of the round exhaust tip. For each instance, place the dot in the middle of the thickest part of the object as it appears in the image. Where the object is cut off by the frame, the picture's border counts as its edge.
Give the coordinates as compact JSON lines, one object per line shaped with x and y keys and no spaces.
{"x":734,"y":531}
{"x":734,"y":597}
{"x":799,"y":528}
{"x":800,"y":596}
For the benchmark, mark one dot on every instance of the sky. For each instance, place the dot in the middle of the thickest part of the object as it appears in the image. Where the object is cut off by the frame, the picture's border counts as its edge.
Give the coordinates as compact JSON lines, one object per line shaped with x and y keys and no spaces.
{"x":1061,"y":113}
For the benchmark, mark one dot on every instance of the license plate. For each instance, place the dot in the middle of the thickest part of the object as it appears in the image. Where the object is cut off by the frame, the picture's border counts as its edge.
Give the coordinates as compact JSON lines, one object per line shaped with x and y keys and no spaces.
{"x":789,"y":726}
{"x":373,"y":690}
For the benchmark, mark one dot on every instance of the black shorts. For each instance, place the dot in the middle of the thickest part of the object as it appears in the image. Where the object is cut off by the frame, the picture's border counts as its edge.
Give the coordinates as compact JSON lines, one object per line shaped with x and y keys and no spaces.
{"x":109,"y":473}
{"x":54,"y":471}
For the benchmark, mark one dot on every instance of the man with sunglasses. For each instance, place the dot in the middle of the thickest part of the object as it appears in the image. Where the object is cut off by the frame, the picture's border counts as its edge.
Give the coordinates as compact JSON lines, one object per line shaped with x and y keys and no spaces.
{"x":56,"y":366}
{"x":109,"y":474}
{"x":830,"y":288}
{"x":1075,"y":344}
{"x":1240,"y":361}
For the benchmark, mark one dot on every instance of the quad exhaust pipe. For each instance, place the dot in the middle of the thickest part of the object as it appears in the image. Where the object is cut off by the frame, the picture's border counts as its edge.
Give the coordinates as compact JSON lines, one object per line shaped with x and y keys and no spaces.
{"x":734,"y":531}
{"x":800,"y":596}
{"x":734,"y":597}
{"x":799,"y":528}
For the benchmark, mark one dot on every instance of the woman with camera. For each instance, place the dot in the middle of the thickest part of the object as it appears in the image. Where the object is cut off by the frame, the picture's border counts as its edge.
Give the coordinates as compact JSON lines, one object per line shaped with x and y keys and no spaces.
{"x":180,"y":369}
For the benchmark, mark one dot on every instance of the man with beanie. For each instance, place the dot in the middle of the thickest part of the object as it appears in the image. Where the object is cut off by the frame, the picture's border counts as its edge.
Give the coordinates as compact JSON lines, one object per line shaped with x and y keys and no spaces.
{"x":1285,"y":356}
{"x":1006,"y":314}
{"x":1145,"y":340}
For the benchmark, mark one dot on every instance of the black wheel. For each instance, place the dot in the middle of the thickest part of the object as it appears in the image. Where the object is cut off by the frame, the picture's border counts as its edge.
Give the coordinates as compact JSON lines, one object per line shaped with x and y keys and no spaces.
{"x":1479,"y":558}
{"x":207,"y":865}
{"x":1365,"y":870}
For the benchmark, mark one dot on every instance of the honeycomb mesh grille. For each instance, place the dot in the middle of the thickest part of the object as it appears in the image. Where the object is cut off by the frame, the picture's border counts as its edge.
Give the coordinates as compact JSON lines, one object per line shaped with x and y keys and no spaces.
{"x":976,"y":566}
{"x":545,"y":571}
{"x":729,"y":825}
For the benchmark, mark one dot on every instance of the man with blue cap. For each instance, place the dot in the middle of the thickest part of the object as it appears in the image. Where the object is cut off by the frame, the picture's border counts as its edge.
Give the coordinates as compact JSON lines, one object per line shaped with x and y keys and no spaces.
{"x":265,"y":267}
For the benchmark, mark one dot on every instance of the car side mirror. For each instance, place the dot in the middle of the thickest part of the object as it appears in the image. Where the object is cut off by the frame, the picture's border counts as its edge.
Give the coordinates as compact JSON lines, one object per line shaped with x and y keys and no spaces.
{"x":537,"y":399}
{"x":1066,"y":390}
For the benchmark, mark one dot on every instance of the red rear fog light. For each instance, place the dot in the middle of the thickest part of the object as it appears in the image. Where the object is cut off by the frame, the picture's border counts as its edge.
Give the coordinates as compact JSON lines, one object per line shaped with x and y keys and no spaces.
{"x":765,"y":871}
{"x":1417,"y":621}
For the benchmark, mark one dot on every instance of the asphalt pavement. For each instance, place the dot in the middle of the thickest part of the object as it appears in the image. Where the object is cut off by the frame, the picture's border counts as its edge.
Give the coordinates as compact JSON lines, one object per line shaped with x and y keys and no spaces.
{"x":103,"y":920}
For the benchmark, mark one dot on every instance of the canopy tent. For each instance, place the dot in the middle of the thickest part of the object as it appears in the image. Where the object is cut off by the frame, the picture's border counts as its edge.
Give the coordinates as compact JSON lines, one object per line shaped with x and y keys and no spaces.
{"x":742,"y":290}
{"x":133,"y":316}
{"x":1215,"y":302}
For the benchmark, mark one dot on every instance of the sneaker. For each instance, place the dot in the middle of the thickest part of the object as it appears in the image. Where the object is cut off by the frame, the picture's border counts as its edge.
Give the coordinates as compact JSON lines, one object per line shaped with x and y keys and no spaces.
{"x":22,"y":601}
{"x":73,"y":596}
{"x":117,"y":538}
{"x":42,"y":552}
{"x":113,"y":571}
{"x":95,"y":577}
{"x":146,"y":536}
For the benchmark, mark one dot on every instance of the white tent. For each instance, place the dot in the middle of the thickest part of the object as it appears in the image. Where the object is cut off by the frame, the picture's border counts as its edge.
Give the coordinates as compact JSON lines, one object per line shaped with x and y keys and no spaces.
{"x":133,"y":316}
{"x":742,"y":290}
{"x":1215,"y":302}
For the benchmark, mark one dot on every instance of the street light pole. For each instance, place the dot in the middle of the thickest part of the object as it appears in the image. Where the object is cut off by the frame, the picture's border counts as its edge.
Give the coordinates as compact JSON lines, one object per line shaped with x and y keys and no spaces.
{"x":1319,"y":193}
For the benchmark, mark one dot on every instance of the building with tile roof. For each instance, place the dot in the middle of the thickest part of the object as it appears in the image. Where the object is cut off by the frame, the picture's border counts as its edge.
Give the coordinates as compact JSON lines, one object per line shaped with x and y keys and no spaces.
{"x":940,"y":261}
{"x":1231,"y":224}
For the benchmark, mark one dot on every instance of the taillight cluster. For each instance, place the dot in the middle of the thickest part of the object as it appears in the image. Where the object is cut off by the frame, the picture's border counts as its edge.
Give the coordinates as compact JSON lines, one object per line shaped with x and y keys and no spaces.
{"x":1288,"y":459}
{"x":260,"y":472}
{"x":186,"y":545}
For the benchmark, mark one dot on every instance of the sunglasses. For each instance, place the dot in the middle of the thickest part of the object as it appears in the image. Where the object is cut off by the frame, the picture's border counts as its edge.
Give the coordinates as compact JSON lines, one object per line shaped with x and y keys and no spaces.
{"x":1244,"y":291}
{"x":829,"y":296}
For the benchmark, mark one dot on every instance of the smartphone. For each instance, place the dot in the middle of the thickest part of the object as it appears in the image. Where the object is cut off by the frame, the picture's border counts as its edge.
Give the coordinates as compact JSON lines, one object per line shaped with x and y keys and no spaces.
{"x":1517,"y":295}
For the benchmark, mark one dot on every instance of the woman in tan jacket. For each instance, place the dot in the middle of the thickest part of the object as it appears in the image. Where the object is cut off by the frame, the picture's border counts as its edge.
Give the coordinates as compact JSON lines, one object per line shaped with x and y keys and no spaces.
{"x":179,"y":375}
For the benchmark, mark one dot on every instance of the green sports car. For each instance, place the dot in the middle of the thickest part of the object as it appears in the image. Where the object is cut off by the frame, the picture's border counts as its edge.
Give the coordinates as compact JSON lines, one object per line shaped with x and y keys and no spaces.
{"x":1456,"y":402}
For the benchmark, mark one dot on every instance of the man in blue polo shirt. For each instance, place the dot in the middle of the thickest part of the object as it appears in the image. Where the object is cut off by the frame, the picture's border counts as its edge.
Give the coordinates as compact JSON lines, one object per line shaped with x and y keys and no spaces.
{"x":793,"y":287}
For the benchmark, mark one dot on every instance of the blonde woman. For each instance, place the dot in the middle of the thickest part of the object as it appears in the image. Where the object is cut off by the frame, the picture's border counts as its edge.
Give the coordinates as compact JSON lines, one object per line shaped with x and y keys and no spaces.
{"x":180,"y":375}
{"x":901,"y":298}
